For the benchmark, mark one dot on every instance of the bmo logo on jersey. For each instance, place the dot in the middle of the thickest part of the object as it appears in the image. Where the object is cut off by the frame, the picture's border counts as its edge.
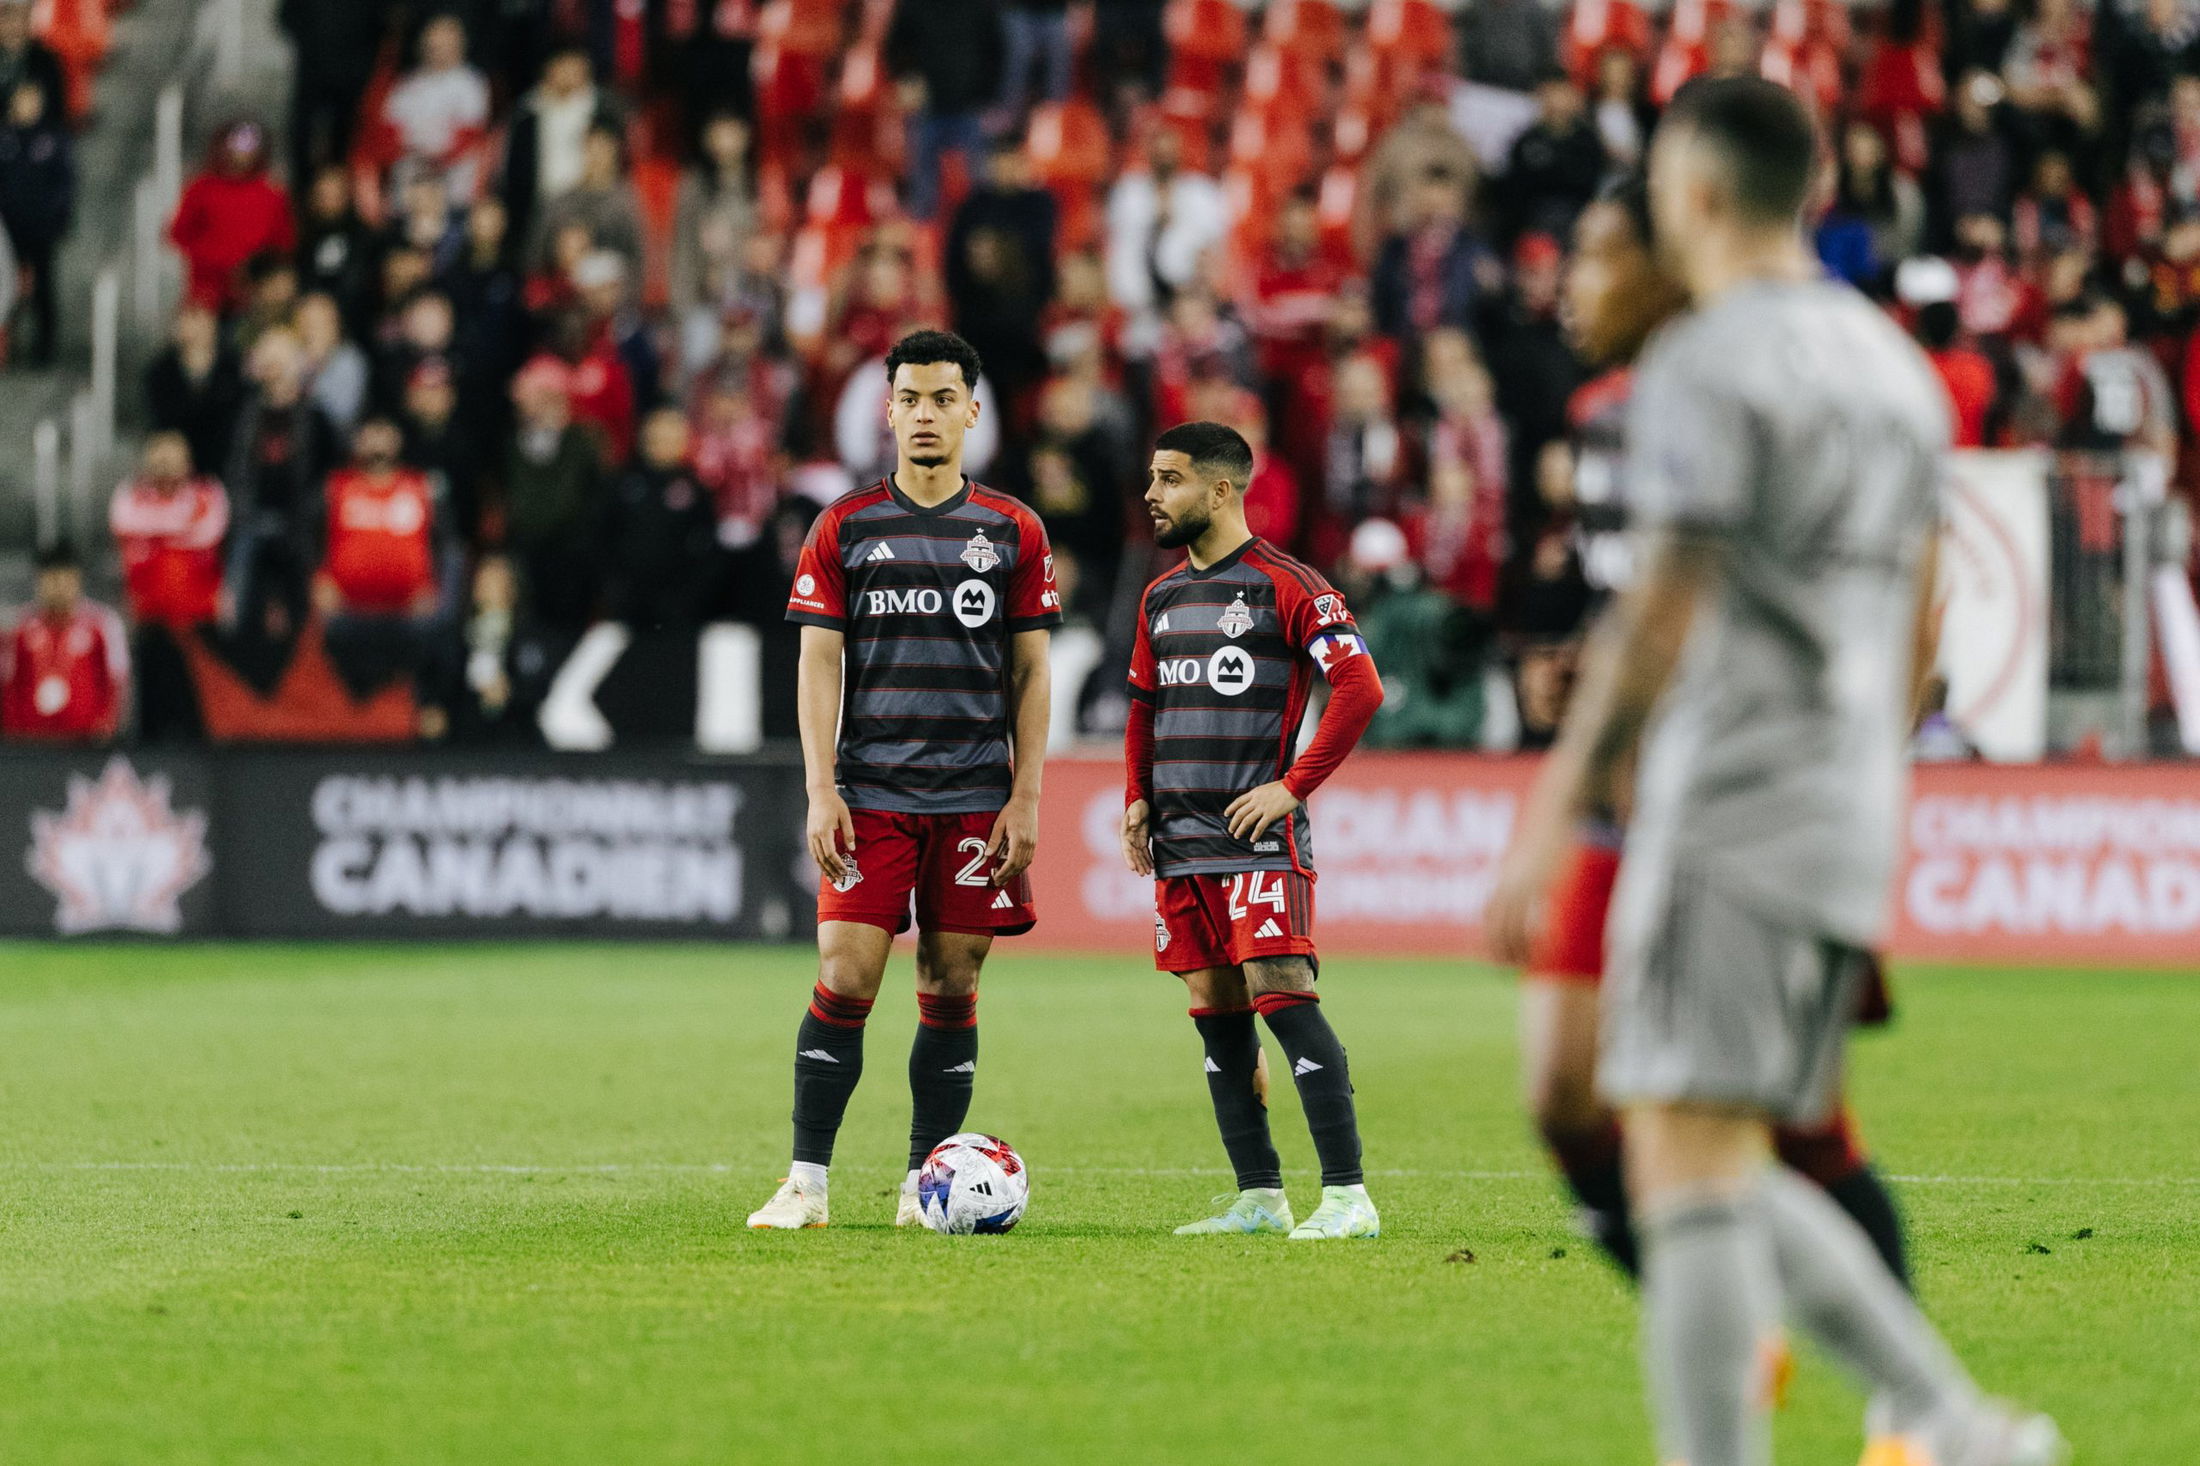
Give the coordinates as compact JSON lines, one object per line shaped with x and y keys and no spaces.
{"x":972,"y":602}
{"x":1229,"y":671}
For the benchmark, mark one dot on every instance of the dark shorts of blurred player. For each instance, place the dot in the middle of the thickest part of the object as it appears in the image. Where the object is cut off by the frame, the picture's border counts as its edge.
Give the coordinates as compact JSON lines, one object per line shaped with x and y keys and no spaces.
{"x":939,"y":860}
{"x":1228,"y":920}
{"x":1569,"y":955}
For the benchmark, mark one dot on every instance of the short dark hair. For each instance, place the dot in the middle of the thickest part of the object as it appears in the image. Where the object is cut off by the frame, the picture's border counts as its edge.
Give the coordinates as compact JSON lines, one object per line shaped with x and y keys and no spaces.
{"x":1765,"y":141}
{"x":1938,"y":324}
{"x":927,"y":348}
{"x":1213,"y":447}
{"x":59,"y":555}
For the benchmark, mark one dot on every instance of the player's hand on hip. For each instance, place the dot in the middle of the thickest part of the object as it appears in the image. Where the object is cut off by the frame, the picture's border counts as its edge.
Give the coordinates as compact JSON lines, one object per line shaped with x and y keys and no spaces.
{"x":1514,"y":916}
{"x":832,"y":830}
{"x":1137,"y":840}
{"x":1251,"y":813}
{"x":1014,"y":841}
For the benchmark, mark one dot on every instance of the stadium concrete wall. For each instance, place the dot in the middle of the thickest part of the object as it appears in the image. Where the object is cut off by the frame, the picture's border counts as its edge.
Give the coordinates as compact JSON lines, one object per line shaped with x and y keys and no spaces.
{"x":2004,"y":863}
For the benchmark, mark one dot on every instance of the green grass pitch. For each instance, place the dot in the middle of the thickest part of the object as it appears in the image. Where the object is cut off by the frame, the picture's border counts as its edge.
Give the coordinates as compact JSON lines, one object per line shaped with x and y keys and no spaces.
{"x":484,"y":1204}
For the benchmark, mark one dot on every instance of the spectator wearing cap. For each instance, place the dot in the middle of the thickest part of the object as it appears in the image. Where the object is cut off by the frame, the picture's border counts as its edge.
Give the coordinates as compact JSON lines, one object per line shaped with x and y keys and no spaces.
{"x":554,"y":498}
{"x":334,"y":48}
{"x":337,"y":374}
{"x":663,"y":533}
{"x":440,"y":110}
{"x":65,"y":672}
{"x":547,"y":152}
{"x":1435,"y":272}
{"x":196,"y":386}
{"x":1555,"y":166}
{"x":713,"y":220}
{"x":1162,"y":219}
{"x":441,"y":445}
{"x":168,"y":523}
{"x":336,"y":249}
{"x":25,"y":58}
{"x":283,"y":446}
{"x":946,"y":55}
{"x":602,"y":204}
{"x":230,"y":213}
{"x":37,"y":203}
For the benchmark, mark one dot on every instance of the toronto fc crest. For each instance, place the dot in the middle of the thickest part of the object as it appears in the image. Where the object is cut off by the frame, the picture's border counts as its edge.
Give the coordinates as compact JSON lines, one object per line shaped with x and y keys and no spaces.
{"x":979,"y":554}
{"x":1236,"y":620}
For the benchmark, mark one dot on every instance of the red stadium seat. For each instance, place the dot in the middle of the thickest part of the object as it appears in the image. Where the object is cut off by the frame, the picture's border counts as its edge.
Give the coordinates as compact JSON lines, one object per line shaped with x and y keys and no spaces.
{"x":1072,"y":154}
{"x":1811,"y":69}
{"x":1309,"y":30}
{"x":1206,"y":38}
{"x":1333,"y":206}
{"x":806,"y":27}
{"x":1417,"y":32}
{"x":1596,"y":26}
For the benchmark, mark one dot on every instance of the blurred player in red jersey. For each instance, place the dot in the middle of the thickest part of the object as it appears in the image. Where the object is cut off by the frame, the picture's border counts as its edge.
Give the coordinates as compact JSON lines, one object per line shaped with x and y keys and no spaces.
{"x":1215,"y":809}
{"x":925,"y":602}
{"x":1616,"y":296}
{"x":67,"y":675}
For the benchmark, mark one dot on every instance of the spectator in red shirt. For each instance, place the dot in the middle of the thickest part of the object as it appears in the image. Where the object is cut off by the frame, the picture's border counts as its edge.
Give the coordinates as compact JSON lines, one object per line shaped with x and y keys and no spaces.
{"x":66,"y":674}
{"x":1964,"y":371}
{"x":1294,"y":292}
{"x":228,"y":214}
{"x":382,"y":536}
{"x":169,"y":524}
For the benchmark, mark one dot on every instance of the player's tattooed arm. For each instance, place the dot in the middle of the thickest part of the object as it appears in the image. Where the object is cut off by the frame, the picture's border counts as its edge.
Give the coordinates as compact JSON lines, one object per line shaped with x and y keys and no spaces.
{"x":1629,"y":660}
{"x":830,"y":828}
{"x":1030,"y":698}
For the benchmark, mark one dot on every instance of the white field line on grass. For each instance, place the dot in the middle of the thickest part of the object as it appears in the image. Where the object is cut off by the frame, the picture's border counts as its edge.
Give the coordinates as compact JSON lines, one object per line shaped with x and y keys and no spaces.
{"x":667,"y":1168}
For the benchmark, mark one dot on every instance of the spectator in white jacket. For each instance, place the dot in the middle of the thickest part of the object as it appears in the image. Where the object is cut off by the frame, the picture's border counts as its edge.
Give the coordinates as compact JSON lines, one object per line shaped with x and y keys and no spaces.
{"x":1161,"y":219}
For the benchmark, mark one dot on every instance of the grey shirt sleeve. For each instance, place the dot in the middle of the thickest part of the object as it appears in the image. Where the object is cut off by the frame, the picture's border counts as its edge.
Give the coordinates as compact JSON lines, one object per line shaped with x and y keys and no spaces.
{"x":1692,"y":441}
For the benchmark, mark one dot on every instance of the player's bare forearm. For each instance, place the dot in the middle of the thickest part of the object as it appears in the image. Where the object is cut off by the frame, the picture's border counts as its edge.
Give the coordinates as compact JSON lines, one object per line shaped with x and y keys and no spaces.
{"x":829,"y":827}
{"x":1030,"y":694}
{"x":1925,"y":629}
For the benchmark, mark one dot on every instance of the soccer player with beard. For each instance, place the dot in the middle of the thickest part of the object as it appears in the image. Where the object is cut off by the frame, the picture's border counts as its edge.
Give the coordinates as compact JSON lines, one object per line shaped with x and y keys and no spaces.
{"x":1616,"y":296}
{"x":1785,"y":448}
{"x":1215,"y":809}
{"x":925,"y":602}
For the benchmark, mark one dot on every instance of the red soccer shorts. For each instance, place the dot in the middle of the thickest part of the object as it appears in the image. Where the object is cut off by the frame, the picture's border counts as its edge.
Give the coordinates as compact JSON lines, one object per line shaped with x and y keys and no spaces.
{"x":1570,"y":948}
{"x":940,"y":860}
{"x":1225,"y":920}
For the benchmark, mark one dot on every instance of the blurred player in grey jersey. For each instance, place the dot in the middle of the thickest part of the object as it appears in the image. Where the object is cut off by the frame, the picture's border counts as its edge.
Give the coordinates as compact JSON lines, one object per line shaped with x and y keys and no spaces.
{"x":1785,"y":447}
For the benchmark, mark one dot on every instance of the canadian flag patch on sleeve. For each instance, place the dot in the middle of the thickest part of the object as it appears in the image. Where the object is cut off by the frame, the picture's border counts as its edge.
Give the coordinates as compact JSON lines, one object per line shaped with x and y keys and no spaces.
{"x":1336,"y":647}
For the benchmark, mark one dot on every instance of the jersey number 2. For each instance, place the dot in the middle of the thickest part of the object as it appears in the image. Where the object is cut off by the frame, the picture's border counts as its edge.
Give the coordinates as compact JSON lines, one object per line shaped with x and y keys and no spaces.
{"x":972,"y":874}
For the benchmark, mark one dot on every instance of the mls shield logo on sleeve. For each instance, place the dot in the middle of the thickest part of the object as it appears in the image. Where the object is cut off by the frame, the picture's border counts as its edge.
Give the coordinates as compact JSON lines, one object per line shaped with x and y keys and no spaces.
{"x":979,"y":554}
{"x":1328,"y":610}
{"x":1236,"y":620}
{"x":119,"y":857}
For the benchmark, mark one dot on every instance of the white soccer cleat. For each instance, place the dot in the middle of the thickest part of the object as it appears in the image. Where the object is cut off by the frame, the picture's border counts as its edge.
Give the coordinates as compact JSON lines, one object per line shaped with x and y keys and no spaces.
{"x":1996,"y":1436}
{"x":906,"y":1211}
{"x":1345,"y":1212}
{"x":792,"y":1207}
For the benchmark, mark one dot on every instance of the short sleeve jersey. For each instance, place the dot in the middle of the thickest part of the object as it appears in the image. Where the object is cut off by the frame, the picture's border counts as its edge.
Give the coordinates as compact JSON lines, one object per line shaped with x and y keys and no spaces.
{"x":928,"y":598}
{"x":1798,"y":425}
{"x":1227,"y":657}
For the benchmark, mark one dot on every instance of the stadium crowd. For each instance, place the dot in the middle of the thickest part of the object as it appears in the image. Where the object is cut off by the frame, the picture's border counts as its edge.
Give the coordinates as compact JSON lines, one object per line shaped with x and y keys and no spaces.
{"x":547,"y":311}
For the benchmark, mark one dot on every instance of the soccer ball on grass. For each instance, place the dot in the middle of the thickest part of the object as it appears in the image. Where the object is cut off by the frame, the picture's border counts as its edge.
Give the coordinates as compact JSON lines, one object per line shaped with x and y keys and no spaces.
{"x":972,"y":1183}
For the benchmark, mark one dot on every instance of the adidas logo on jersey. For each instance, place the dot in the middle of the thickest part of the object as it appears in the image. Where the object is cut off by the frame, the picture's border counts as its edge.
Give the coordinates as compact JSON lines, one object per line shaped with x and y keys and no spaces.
{"x":1213,"y":1067}
{"x":1268,"y":928}
{"x":882,"y":551}
{"x":1304,"y":1066}
{"x":967,"y":1066}
{"x":818,"y":1054}
{"x":1003,"y":903}
{"x":1161,"y":625}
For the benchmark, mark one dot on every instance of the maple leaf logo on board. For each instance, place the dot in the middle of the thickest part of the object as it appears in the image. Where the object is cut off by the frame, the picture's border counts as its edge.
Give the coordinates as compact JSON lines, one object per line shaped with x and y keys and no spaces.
{"x":119,"y":857}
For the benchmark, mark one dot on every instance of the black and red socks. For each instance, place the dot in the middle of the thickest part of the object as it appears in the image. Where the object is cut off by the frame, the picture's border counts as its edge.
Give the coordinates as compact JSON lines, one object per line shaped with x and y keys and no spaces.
{"x":1590,"y":1161}
{"x":1241,"y":1111}
{"x":943,"y":1070}
{"x":1325,"y":1084}
{"x":828,"y":1060}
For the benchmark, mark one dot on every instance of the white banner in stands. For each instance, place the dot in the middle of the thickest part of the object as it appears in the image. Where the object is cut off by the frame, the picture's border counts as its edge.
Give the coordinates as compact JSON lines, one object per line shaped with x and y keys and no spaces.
{"x":1993,"y":635}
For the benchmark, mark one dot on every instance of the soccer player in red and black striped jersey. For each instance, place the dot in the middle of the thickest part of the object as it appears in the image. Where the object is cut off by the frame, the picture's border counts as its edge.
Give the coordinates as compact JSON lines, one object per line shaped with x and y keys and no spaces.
{"x":925,"y":602}
{"x":1228,"y":645}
